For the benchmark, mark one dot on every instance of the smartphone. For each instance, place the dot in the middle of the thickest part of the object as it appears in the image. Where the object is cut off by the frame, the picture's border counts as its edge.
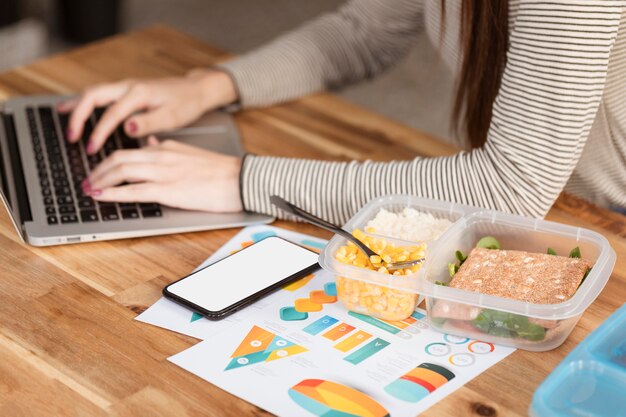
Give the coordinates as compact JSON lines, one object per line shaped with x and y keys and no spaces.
{"x":240,"y":279}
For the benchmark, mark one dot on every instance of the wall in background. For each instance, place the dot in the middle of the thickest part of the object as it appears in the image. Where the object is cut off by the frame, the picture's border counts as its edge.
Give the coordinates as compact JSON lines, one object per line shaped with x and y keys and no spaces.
{"x":417,"y":91}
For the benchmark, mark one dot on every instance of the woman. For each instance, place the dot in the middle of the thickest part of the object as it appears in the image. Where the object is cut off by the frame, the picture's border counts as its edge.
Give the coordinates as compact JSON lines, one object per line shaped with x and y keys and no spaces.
{"x":539,"y":104}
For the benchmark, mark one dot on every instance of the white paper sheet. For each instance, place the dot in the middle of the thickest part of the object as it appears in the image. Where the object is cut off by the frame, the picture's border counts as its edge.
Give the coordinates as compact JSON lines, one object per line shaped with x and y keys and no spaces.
{"x":329,"y":351}
{"x":309,"y":366}
{"x":172,"y":316}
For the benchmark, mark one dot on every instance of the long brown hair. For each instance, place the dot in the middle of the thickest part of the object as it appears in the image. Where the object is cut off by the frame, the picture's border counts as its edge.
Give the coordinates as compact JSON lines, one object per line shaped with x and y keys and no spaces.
{"x":484,"y":41}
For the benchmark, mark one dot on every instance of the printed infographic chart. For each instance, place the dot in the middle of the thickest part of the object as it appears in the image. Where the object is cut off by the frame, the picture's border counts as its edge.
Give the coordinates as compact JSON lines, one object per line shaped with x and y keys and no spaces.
{"x":169,"y":315}
{"x":299,"y":352}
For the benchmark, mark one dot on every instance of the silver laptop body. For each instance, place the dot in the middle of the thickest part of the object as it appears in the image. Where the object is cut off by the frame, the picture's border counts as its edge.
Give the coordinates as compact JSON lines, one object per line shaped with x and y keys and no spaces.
{"x":31,"y":200}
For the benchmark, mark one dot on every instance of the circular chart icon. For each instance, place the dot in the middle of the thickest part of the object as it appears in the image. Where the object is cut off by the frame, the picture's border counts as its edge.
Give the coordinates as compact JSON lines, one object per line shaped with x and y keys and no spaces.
{"x":281,"y":343}
{"x":481,"y":348}
{"x":462,"y":359}
{"x":242,"y":361}
{"x":325,"y":398}
{"x":437,"y":349}
{"x":256,"y":343}
{"x":456,"y":340}
{"x":412,"y":330}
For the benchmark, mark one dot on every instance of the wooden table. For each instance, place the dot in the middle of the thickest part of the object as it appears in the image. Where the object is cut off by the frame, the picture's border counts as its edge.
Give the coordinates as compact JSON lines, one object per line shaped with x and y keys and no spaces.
{"x":68,"y":342}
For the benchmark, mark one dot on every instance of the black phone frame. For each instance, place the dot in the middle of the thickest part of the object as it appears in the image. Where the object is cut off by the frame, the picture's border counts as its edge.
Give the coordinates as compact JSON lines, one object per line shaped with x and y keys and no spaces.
{"x":219,"y":315}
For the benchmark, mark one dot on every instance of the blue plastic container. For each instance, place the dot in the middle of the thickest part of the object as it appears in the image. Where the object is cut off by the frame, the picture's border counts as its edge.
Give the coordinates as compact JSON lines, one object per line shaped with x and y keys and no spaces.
{"x":591,"y":380}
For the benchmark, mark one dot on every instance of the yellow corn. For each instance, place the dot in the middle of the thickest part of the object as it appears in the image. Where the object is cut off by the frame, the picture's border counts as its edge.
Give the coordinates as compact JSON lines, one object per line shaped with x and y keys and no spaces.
{"x":372,"y":299}
{"x":375,"y":259}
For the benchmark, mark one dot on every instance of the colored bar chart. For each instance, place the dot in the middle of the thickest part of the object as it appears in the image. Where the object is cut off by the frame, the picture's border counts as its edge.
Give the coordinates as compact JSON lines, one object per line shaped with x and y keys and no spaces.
{"x":313,"y":244}
{"x":320,"y":325}
{"x":338,"y":332}
{"x":419,"y":382}
{"x":366,"y":351}
{"x":257,"y":237}
{"x":393,"y":327}
{"x":375,"y":322}
{"x":349,"y":338}
{"x":417,"y":315}
{"x":400,"y":324}
{"x":352,"y":341}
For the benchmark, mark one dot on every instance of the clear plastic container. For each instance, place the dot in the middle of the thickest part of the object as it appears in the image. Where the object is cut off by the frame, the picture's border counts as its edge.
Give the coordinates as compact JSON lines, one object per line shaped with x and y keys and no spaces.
{"x":453,"y":310}
{"x":506,"y":321}
{"x":377,"y":294}
{"x":591,"y":380}
{"x":376,"y":300}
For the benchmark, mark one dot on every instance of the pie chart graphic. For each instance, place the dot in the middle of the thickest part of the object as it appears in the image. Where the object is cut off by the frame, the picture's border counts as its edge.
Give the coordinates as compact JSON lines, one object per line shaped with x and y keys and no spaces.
{"x":419,"y":382}
{"x":329,"y":399}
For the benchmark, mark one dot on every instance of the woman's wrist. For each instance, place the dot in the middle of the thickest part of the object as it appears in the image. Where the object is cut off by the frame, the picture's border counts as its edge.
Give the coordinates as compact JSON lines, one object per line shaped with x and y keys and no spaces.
{"x":216,"y":88}
{"x":234,"y":186}
{"x":241,"y":179}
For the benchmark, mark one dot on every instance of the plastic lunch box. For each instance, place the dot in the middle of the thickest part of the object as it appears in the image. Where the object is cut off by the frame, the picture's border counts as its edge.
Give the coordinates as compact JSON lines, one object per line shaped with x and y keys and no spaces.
{"x":465,"y":313}
{"x":591,"y":380}
{"x":397,"y":297}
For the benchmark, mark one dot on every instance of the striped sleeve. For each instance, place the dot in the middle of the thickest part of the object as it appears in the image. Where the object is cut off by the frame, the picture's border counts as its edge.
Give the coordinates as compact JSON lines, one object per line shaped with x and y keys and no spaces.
{"x":356,"y":42}
{"x":550,"y":93}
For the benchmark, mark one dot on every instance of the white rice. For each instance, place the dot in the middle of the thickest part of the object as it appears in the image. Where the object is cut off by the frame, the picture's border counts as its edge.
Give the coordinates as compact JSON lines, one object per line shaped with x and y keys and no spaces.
{"x":410,"y":224}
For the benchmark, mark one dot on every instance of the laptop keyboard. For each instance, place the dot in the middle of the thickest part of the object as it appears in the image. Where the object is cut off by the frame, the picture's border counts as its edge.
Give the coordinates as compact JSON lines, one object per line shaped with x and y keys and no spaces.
{"x":62,"y":166}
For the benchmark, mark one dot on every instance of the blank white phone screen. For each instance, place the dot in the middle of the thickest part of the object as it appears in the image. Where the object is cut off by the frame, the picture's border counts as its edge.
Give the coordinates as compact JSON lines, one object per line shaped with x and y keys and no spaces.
{"x":243,"y":274}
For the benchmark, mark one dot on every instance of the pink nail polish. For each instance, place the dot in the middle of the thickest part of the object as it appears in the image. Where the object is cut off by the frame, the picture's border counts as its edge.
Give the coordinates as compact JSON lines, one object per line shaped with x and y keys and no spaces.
{"x":69,"y":133}
{"x":96,"y":193}
{"x":132,"y":127}
{"x":90,"y":148}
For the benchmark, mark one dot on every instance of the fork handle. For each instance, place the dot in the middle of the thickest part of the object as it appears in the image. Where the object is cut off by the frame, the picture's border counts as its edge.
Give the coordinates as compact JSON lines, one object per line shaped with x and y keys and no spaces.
{"x":311,"y":218}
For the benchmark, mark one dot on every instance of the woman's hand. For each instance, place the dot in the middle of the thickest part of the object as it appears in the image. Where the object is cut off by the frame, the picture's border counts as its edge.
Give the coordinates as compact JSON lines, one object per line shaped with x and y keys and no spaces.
{"x":169,"y":173}
{"x":168,"y":103}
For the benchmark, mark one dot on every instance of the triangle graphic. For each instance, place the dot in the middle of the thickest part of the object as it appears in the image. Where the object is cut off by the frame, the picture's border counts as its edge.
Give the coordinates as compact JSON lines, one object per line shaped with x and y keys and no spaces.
{"x":261,"y":345}
{"x":278,"y":343}
{"x":246,"y":360}
{"x":283,"y":353}
{"x":195,"y":317}
{"x":257,"y":340}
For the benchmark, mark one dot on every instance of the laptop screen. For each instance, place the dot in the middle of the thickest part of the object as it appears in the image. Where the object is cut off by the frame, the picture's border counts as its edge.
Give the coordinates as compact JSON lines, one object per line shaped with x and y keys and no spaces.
{"x":6,"y":197}
{"x":9,"y":157}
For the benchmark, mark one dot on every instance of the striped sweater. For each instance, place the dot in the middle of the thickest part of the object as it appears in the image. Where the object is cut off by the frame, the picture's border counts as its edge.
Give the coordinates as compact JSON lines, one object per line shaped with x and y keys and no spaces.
{"x":559,"y":118}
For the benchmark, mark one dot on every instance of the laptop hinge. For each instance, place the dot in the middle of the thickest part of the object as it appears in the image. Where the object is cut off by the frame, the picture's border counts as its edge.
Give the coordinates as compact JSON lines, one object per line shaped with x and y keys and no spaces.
{"x":14,"y":193}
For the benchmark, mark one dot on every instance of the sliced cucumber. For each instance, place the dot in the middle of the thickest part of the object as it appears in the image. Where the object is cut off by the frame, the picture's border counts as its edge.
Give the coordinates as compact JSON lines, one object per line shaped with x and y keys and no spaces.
{"x":488,"y":242}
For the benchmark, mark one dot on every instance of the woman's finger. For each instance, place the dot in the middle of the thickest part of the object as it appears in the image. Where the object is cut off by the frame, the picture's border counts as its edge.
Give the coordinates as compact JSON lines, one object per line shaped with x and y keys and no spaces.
{"x":136,"y":99}
{"x":153,"y":141}
{"x":129,"y":172}
{"x":92,"y":98}
{"x":146,"y":192}
{"x":124,"y":156}
{"x":152,"y":121}
{"x":68,"y":105}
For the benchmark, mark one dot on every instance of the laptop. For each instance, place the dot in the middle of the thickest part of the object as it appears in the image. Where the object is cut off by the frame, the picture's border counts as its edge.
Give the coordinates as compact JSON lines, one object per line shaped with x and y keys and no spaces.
{"x":41,"y":174}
